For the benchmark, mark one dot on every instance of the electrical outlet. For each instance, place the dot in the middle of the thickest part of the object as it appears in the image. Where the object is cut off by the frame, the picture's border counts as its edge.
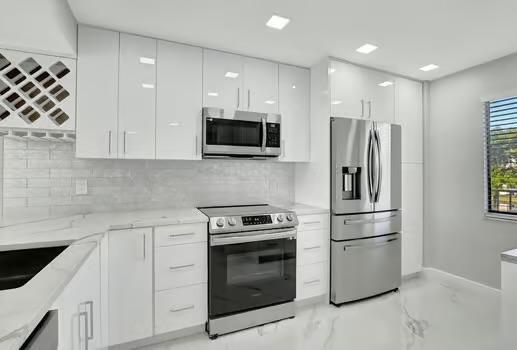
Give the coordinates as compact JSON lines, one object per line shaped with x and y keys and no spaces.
{"x":81,"y":186}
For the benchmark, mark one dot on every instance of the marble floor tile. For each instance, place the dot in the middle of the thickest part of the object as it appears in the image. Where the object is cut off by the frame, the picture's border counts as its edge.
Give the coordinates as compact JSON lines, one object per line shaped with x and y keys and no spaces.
{"x":434,"y":311}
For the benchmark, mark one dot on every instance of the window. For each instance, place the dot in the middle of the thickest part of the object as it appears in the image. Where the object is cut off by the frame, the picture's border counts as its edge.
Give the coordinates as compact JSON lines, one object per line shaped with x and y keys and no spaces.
{"x":501,"y":156}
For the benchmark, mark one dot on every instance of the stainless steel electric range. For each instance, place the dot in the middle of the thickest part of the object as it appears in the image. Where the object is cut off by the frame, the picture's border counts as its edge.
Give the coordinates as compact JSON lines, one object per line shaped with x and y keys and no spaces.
{"x":251,"y":266}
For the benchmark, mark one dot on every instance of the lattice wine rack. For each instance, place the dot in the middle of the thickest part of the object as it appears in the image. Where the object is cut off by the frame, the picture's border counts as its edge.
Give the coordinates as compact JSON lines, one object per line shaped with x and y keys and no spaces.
{"x":36,"y":91}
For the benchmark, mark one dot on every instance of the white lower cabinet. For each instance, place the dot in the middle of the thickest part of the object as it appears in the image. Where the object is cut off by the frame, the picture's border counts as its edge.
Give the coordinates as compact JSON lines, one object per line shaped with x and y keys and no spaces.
{"x":79,"y":308}
{"x":130,"y":275}
{"x":312,"y":256}
{"x":180,"y":308}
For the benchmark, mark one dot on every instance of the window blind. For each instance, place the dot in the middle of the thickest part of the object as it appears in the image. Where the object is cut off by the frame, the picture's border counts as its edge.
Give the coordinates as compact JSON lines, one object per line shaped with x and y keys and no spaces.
{"x":501,"y":155}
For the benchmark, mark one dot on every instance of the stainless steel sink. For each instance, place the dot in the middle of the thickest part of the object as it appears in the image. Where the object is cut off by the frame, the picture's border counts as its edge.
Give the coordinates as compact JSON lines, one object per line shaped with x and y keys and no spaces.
{"x":17,"y":267}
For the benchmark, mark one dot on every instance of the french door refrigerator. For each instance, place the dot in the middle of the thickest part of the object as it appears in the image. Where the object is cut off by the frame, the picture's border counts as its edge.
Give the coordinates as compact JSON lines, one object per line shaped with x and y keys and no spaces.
{"x":366,"y":216}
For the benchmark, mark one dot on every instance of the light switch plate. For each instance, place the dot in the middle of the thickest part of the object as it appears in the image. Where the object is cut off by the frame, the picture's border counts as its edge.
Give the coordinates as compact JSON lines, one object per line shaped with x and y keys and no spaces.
{"x":81,"y":186}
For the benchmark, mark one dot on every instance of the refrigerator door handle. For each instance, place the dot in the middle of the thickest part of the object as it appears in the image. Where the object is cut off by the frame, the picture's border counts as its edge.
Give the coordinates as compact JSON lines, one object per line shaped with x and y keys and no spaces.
{"x":378,"y":177}
{"x":369,"y":167}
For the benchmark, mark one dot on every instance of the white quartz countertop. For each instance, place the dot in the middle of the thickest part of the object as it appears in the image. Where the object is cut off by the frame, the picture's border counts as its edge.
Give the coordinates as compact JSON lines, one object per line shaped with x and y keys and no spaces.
{"x":22,"y":308}
{"x":303,"y":209}
{"x":63,"y":231}
{"x":509,"y":256}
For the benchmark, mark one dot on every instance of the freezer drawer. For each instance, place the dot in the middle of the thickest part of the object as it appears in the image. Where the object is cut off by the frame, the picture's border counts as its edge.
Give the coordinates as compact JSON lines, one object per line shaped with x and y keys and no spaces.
{"x":364,"y":268}
{"x":356,"y":226}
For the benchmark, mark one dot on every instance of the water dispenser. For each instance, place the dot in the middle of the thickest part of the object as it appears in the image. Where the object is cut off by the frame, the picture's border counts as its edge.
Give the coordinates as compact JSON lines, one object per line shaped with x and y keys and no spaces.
{"x":351,"y":183}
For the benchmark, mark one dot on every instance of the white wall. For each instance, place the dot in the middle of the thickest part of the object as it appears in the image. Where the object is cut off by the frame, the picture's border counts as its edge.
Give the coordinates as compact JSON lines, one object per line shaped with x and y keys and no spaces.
{"x":458,"y":239}
{"x":42,"y":26}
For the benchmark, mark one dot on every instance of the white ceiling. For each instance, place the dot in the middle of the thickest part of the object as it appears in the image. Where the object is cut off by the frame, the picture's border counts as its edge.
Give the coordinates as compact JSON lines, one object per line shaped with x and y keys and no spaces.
{"x":454,"y":34}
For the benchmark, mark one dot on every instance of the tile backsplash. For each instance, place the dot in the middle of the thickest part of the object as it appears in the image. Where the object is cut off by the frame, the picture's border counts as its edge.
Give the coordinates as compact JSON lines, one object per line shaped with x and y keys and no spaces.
{"x":39,"y":181}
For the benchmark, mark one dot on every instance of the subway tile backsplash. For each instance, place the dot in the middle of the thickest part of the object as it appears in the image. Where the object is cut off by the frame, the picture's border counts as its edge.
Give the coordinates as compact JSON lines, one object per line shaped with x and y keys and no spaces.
{"x":39,"y":182}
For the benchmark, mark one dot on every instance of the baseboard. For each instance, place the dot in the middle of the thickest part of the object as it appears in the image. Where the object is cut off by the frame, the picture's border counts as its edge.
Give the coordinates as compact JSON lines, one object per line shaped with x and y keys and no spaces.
{"x":451,"y":275}
{"x":412,"y":275}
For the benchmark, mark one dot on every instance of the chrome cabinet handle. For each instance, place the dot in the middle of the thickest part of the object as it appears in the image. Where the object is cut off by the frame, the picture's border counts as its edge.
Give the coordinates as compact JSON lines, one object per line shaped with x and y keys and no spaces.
{"x":369,"y":109}
{"x":313,"y":247}
{"x":312,"y":281}
{"x":362,"y":108}
{"x":188,"y":307}
{"x":312,"y":222}
{"x":238,"y":98}
{"x":181,"y":266}
{"x":109,"y":142}
{"x":143,"y":244}
{"x":90,"y":316}
{"x":83,"y":314}
{"x":125,"y":137}
{"x":195,"y":145}
{"x":172,"y":235}
{"x":249,"y":100}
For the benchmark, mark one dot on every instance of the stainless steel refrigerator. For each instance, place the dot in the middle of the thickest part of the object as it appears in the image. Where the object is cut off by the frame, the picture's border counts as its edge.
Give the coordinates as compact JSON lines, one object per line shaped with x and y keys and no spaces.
{"x":366,"y":216}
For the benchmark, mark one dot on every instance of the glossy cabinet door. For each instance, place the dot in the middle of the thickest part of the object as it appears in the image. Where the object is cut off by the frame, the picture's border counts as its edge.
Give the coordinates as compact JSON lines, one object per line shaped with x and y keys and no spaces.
{"x":409,"y":114}
{"x":79,"y":308}
{"x":97,"y":93}
{"x":137,"y":97}
{"x":380,"y":100}
{"x":179,"y":101}
{"x":294,"y":103}
{"x":347,"y":90}
{"x":223,"y":81}
{"x":260,"y":85}
{"x":130,"y":275}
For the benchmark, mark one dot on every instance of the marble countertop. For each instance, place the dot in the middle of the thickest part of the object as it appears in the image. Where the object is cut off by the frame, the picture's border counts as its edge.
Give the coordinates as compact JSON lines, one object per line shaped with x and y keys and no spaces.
{"x":23,"y":308}
{"x":64,"y":231}
{"x":509,"y":256}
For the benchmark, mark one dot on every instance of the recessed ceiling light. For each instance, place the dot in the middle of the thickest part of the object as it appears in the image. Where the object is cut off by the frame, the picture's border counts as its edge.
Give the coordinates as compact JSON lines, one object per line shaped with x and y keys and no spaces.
{"x":386,"y":83}
{"x":337,"y":102}
{"x":367,"y":48}
{"x":148,"y":86}
{"x":147,"y":60}
{"x":213,"y":94}
{"x":332,"y":70}
{"x":269,"y":102}
{"x":232,"y":75}
{"x":294,"y":86}
{"x":174,"y":124}
{"x":277,"y":22}
{"x":429,"y":67}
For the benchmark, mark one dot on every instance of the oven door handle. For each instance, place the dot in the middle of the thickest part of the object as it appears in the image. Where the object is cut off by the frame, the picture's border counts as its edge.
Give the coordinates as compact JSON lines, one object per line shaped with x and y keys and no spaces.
{"x":254,"y":236}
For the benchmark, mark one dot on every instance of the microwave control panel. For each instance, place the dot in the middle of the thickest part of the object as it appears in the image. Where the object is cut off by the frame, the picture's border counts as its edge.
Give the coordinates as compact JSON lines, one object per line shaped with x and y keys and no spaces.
{"x":273,"y":135}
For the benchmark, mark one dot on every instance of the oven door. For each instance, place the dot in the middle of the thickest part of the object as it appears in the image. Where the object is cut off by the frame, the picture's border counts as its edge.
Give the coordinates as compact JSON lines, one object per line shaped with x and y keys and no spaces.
{"x":251,"y":270}
{"x":242,"y":134}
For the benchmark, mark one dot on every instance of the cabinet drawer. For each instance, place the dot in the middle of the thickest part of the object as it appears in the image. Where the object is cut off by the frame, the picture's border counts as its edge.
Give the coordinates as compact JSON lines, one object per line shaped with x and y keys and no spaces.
{"x":313,"y":222}
{"x":181,"y":265}
{"x":179,"y":234}
{"x":311,"y":280}
{"x":180,"y":308}
{"x":312,"y":247}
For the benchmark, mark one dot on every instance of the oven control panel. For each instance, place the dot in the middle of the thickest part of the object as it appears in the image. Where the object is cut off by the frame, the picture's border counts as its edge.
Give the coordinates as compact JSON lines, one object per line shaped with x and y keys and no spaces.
{"x":256,"y":220}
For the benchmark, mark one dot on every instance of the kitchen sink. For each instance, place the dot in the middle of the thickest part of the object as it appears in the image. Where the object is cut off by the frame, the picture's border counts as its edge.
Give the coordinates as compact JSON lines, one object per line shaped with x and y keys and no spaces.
{"x":17,"y":267}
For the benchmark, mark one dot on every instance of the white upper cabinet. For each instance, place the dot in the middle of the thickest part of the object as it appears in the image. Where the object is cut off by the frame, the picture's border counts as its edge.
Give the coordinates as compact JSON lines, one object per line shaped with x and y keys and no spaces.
{"x":356,"y":92}
{"x":130,"y":275}
{"x":347,"y":85}
{"x":260,"y":85}
{"x":223,"y":80}
{"x":179,"y":101}
{"x":409,"y":114}
{"x":294,"y":103}
{"x":97,"y":93}
{"x":137,"y":97}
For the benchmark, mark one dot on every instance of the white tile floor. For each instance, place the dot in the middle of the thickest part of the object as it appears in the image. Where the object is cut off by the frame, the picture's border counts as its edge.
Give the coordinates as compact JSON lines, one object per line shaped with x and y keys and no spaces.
{"x":433,"y":311}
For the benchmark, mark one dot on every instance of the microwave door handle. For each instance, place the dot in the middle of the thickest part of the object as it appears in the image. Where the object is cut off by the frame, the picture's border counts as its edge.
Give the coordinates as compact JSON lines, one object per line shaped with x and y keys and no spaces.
{"x":264,"y":131}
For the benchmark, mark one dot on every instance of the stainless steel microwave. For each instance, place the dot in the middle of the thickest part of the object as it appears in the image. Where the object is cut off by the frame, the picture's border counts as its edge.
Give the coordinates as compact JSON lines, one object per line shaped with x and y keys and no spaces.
{"x":244,"y":134}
